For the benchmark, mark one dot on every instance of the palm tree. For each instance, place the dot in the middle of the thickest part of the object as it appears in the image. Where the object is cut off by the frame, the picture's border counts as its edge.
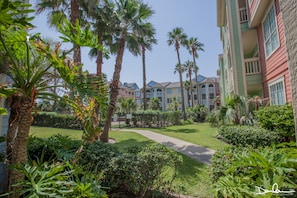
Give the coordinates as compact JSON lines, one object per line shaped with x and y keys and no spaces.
{"x":187,"y":86}
{"x":178,"y":38}
{"x":143,"y":41}
{"x":189,"y":67}
{"x":289,"y":16}
{"x":132,"y":14}
{"x":57,"y":14}
{"x":193,"y":45}
{"x":102,"y":18}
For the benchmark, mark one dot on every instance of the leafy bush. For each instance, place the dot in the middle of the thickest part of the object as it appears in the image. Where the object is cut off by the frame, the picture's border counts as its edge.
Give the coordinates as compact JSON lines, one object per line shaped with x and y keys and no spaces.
{"x":52,"y":119}
{"x":56,"y":180}
{"x":247,"y":135}
{"x":57,"y":147}
{"x":97,"y":156}
{"x":197,"y":113}
{"x":143,"y":171}
{"x":279,"y":119}
{"x":237,"y":171}
{"x":154,"y":118}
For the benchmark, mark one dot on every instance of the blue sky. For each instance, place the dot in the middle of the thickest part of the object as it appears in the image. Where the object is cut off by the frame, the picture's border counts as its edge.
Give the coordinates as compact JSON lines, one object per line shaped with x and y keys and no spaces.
{"x":196,"y":17}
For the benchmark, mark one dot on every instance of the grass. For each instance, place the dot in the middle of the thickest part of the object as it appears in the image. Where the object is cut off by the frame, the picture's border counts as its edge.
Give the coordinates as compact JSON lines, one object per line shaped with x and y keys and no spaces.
{"x":192,"y":178}
{"x":201,"y":134}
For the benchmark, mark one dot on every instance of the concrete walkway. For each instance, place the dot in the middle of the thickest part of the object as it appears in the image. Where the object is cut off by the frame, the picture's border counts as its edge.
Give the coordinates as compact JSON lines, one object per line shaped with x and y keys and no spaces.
{"x":194,"y":151}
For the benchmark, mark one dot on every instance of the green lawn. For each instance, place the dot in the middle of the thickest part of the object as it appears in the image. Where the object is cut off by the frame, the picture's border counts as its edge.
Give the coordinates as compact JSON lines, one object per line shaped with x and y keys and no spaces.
{"x":192,"y":179}
{"x":201,"y":134}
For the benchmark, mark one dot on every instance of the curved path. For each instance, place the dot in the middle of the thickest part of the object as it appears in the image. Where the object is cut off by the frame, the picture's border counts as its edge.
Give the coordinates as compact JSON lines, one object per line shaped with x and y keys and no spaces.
{"x":194,"y":151}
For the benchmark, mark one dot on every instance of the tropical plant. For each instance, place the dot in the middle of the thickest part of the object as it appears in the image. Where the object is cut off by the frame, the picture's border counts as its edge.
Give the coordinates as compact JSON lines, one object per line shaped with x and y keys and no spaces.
{"x":143,"y":41}
{"x":57,"y":16}
{"x":132,"y":16}
{"x":193,"y":45}
{"x":178,"y":38}
{"x":189,"y":67}
{"x":154,"y":104}
{"x":30,"y":61}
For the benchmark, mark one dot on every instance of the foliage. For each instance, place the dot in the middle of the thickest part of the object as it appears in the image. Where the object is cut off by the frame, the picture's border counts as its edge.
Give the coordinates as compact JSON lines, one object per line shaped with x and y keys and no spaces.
{"x":96,"y":156}
{"x":197,"y":113}
{"x":52,"y":119}
{"x":55,"y":148}
{"x":142,"y":170}
{"x":279,"y":119}
{"x":248,"y":136}
{"x":152,"y":118}
{"x":239,"y":170}
{"x":49,"y":181}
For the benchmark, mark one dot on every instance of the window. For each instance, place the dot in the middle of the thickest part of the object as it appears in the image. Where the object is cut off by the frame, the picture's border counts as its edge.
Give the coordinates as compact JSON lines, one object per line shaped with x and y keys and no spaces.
{"x":203,"y":96}
{"x":271,"y":41}
{"x":169,"y":91}
{"x":277,"y":92}
{"x":169,"y":100}
{"x":211,"y":95}
{"x":178,"y":90}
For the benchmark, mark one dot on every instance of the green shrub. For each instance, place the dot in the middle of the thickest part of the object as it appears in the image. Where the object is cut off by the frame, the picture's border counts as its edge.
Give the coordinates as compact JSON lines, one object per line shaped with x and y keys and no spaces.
{"x":141,"y":171}
{"x":52,"y":119}
{"x":237,"y":171}
{"x":97,"y":156}
{"x":248,"y":135}
{"x":57,"y":147}
{"x":279,"y":119}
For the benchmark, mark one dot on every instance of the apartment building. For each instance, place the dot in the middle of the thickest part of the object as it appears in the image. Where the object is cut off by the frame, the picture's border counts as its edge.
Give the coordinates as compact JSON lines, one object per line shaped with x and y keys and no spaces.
{"x":254,"y":59}
{"x":208,"y":90}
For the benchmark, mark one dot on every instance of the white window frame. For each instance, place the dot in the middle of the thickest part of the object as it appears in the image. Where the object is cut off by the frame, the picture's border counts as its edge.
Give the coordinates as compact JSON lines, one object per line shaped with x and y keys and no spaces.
{"x":272,"y":6}
{"x":276,"y":102}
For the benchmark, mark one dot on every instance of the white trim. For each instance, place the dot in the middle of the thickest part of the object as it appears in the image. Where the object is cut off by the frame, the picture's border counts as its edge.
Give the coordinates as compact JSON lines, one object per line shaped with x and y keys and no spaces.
{"x":275,"y":81}
{"x":276,"y":24}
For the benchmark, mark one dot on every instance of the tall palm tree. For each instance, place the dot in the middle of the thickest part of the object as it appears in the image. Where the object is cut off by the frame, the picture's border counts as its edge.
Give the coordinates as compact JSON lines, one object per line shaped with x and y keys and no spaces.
{"x":289,"y":16}
{"x":132,"y":14}
{"x":188,"y":88}
{"x":58,"y":13}
{"x":193,"y":45}
{"x":178,"y":38}
{"x":103,"y":17}
{"x":189,"y":67}
{"x":143,"y":41}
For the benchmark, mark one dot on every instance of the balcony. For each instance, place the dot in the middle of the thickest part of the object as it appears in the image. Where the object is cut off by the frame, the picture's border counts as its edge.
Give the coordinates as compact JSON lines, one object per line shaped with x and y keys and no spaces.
{"x":252,"y":66}
{"x":243,"y":15}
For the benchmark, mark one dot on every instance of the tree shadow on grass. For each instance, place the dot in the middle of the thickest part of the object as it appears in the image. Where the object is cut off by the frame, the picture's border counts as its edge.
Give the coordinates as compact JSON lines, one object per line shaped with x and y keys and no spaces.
{"x":180,"y":130}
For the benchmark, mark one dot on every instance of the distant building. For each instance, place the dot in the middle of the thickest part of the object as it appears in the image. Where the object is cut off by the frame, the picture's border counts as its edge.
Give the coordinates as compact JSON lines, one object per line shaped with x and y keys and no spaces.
{"x":167,"y":91}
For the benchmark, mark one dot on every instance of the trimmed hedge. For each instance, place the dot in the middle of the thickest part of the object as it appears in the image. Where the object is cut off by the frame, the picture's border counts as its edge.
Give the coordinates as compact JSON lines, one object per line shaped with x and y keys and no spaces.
{"x":247,"y":135}
{"x":52,"y":119}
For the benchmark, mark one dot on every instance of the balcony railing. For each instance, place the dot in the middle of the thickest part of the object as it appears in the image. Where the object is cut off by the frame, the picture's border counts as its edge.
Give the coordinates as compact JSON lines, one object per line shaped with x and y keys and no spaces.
{"x":243,"y":15}
{"x":252,"y":66}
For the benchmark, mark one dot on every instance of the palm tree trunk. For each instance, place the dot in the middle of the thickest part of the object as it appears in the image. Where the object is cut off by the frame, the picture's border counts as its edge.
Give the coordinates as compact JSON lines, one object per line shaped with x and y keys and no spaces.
{"x":114,"y":86}
{"x":74,"y":15}
{"x":17,"y":138}
{"x":144,"y":77}
{"x":99,"y":57}
{"x":196,"y":77}
{"x":181,"y":86}
{"x":191,"y":87}
{"x":289,"y":17}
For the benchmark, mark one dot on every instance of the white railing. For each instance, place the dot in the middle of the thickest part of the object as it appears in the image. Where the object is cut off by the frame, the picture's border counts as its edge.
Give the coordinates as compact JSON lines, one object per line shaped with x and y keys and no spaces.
{"x":252,"y":66}
{"x":243,"y":15}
